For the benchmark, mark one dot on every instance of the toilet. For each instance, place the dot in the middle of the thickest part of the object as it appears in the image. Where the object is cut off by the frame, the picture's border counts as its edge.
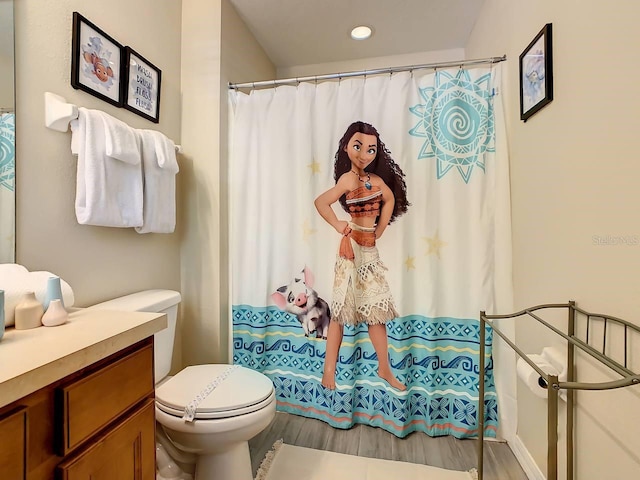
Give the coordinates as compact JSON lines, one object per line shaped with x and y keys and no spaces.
{"x":229,"y":404}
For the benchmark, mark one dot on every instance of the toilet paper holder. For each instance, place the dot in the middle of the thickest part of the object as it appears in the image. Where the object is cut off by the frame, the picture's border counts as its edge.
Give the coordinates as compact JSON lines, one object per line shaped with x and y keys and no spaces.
{"x":550,"y":362}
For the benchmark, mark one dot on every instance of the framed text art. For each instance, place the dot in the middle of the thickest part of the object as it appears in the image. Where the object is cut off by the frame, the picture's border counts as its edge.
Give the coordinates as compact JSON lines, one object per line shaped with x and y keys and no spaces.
{"x":142,"y":91}
{"x":536,"y":74}
{"x":96,"y":61}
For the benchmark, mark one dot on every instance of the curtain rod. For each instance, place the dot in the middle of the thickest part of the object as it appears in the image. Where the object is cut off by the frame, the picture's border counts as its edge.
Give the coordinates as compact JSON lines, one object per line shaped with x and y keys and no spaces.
{"x":315,"y":78}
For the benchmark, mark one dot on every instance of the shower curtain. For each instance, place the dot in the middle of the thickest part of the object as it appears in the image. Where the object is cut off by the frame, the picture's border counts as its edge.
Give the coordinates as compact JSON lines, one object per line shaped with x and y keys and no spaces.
{"x":448,"y":257}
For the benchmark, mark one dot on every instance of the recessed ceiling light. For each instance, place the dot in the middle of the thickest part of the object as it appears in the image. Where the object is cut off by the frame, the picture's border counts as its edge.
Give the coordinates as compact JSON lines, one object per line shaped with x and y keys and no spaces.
{"x":361,"y":33}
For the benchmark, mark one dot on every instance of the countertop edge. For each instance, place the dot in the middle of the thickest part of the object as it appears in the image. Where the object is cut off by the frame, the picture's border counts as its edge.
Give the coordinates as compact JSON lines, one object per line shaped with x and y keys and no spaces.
{"x":31,"y":381}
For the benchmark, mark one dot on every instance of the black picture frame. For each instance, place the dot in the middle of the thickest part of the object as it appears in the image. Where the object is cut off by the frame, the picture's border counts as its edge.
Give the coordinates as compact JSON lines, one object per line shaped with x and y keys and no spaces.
{"x":536,"y":74}
{"x":96,"y":61}
{"x":142,"y":86}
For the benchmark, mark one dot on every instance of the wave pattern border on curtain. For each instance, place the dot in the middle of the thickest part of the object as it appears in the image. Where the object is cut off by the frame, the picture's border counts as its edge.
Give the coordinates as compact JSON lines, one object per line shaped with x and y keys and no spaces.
{"x":437,"y":358}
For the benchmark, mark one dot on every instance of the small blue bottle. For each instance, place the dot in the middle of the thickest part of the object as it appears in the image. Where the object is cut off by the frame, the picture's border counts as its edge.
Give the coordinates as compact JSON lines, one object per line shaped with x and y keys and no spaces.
{"x":54,"y":292}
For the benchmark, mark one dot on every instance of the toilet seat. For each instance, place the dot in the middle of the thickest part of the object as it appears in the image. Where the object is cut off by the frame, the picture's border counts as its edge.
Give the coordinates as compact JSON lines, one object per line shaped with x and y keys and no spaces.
{"x":243,"y":391}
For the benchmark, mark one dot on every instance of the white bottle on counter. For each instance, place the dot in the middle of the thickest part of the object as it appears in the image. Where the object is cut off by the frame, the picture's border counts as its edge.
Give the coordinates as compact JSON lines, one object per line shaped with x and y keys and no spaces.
{"x":55,"y":314}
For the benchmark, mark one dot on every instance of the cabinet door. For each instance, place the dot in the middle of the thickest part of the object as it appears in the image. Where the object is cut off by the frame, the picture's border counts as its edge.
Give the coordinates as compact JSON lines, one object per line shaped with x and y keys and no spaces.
{"x":13,"y":439}
{"x":126,"y":452}
{"x":88,"y":404}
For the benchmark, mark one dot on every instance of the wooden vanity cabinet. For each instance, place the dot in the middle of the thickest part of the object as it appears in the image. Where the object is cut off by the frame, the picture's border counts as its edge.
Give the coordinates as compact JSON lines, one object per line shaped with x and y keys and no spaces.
{"x":13,"y":444}
{"x":124,"y":452}
{"x":97,"y":423}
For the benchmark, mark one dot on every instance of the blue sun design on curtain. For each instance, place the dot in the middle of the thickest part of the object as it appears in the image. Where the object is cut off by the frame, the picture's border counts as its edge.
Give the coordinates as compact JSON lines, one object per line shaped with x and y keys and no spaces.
{"x":457,"y":122}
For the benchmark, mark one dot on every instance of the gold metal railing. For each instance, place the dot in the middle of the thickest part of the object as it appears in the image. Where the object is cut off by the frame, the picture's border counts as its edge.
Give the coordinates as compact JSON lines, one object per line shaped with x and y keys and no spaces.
{"x":554,"y":386}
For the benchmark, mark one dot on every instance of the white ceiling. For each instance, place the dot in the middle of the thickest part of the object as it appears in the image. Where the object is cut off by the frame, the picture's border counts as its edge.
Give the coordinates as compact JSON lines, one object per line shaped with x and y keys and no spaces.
{"x":305,"y":32}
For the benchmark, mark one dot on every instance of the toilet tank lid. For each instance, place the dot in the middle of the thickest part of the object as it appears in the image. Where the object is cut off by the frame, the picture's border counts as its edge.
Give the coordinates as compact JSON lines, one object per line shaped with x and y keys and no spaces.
{"x":144,"y":301}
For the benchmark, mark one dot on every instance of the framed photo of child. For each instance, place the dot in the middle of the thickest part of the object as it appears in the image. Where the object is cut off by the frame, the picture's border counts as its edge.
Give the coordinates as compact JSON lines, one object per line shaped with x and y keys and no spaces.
{"x":142,"y":89}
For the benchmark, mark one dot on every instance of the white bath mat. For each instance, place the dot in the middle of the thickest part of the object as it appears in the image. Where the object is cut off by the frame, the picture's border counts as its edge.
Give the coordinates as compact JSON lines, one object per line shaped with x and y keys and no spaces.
{"x":286,"y":462}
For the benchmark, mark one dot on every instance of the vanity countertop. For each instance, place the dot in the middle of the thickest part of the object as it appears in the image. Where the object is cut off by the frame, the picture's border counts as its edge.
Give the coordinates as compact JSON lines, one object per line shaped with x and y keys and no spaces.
{"x":32,"y":359}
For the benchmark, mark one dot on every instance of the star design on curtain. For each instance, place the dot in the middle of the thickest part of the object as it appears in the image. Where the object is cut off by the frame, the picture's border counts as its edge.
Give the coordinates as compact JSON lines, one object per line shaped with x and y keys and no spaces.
{"x":315,"y":167}
{"x":456,"y":119}
{"x":410,"y":262}
{"x":307,"y":231}
{"x":434,"y":244}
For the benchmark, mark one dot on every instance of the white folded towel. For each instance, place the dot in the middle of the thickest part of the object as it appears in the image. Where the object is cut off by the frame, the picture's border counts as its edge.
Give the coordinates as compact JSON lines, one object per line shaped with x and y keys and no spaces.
{"x":121,"y":141}
{"x":16,"y":280}
{"x":160,"y":166}
{"x":7,"y":270}
{"x":109,"y":175}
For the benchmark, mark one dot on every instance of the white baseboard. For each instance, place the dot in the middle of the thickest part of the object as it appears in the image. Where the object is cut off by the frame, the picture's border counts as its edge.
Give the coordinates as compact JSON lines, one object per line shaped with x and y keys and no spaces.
{"x":525,"y":459}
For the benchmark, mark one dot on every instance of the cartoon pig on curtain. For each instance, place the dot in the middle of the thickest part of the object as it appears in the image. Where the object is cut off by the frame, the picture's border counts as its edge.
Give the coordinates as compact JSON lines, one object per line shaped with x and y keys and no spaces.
{"x":300,"y":299}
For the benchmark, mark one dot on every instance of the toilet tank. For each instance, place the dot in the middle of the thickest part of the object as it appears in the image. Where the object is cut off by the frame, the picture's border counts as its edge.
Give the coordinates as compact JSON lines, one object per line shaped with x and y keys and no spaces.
{"x":158,"y":301}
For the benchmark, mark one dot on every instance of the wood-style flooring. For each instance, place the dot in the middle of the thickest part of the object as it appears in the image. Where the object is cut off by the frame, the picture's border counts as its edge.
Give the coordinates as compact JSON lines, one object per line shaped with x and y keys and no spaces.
{"x":444,"y":452}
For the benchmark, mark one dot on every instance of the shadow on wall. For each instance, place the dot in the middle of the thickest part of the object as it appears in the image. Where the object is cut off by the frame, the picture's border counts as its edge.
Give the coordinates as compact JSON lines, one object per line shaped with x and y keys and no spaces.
{"x":201,"y":333}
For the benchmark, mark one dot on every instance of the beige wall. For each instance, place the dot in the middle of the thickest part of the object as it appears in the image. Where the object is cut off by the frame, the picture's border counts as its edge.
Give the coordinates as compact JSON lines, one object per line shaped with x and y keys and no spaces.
{"x":99,"y":263}
{"x":419,"y":58}
{"x":573,"y":175}
{"x":217,"y":47}
{"x":6,"y":54}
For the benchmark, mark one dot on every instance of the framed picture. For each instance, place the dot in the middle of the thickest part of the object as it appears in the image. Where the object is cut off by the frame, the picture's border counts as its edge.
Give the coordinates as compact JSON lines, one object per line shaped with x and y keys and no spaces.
{"x":142,"y":90}
{"x":536,"y":74}
{"x":96,"y":61}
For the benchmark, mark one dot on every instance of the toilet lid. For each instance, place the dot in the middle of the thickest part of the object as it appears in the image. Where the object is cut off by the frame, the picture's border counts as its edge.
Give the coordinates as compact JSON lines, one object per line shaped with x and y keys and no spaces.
{"x":242,"y":391}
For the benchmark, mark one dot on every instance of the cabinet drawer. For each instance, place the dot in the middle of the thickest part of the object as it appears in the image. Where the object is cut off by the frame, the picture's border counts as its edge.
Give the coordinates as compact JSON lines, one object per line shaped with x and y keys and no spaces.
{"x":90,"y":403}
{"x":13,"y":439}
{"x":124,"y":453}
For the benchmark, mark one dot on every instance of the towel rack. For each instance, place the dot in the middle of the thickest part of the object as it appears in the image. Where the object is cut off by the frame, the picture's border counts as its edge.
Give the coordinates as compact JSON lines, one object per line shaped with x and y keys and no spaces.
{"x":58,"y":113}
{"x":610,"y":336}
